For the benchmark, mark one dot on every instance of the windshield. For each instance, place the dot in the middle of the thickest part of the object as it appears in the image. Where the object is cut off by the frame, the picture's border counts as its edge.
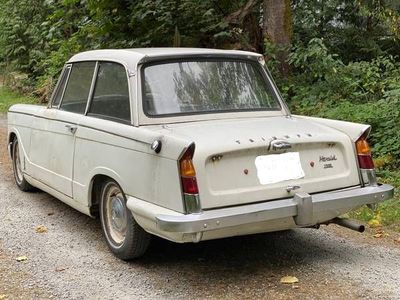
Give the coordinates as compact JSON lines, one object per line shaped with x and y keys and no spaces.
{"x":189,"y":87}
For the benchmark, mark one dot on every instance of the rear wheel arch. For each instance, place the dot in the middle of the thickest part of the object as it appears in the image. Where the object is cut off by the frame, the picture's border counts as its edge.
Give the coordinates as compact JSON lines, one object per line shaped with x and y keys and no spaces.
{"x":18,"y":173}
{"x":95,"y":188}
{"x":11,"y":138}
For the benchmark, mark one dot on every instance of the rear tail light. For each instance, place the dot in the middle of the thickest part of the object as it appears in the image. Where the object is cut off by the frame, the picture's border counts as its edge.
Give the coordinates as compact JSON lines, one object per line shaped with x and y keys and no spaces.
{"x":190,"y":189}
{"x":365,"y":161}
{"x":364,"y":154}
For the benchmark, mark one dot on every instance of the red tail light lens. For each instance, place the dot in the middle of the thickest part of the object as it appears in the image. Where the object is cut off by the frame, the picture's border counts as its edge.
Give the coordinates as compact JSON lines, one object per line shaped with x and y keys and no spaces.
{"x":189,"y":185}
{"x":188,"y":173}
{"x":364,"y":154}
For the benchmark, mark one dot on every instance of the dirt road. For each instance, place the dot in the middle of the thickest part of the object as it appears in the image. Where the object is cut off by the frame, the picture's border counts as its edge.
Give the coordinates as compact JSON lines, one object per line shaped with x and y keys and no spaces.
{"x":71,"y":260}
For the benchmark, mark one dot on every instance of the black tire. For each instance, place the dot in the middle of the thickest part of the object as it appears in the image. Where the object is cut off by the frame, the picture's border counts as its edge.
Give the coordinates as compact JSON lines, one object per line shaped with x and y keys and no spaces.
{"x":19,"y":177}
{"x":124,"y":236}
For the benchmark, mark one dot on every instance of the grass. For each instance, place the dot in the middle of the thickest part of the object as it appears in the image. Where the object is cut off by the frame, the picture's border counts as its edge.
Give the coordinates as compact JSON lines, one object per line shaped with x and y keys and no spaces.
{"x":388,"y":212}
{"x":9,"y":98}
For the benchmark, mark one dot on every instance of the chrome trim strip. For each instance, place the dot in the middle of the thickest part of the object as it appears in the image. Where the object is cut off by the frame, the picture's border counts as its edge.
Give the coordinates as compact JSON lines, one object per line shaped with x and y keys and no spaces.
{"x":272,"y":210}
{"x":69,"y":68}
{"x":368,"y":177}
{"x":66,"y":68}
{"x":92,"y":86}
{"x":85,"y":126}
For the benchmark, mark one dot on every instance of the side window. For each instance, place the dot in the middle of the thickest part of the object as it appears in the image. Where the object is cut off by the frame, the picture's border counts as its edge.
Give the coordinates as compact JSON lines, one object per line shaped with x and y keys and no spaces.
{"x":111,"y":93}
{"x":78,"y":87}
{"x":60,"y":86}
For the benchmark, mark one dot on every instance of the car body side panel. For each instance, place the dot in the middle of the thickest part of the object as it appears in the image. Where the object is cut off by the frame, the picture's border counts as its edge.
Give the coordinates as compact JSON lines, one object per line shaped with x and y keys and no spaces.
{"x":20,"y":126}
{"x":20,"y":119}
{"x":52,"y":148}
{"x":123,"y":153}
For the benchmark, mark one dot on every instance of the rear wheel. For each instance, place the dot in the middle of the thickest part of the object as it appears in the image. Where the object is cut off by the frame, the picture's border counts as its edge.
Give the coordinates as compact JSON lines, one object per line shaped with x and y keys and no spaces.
{"x":126,"y":239}
{"x":20,"y":180}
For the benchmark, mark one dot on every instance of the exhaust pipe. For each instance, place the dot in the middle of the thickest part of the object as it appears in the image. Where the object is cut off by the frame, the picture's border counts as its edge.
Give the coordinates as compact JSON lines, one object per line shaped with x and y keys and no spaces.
{"x":348,"y":224}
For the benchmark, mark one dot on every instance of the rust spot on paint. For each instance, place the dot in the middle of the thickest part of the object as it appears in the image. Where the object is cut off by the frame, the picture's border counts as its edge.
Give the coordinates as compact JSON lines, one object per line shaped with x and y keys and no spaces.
{"x":312,"y":164}
{"x":245,"y":171}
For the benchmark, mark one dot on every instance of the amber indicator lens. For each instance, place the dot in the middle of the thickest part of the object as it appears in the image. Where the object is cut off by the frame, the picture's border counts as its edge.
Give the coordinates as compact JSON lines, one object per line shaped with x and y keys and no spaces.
{"x":364,"y":154}
{"x":363,"y":147}
{"x":187,"y":168}
{"x":188,"y":173}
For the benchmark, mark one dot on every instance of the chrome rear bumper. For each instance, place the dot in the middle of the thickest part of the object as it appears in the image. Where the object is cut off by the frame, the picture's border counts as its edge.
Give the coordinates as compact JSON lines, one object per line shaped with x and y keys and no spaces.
{"x":304,"y":208}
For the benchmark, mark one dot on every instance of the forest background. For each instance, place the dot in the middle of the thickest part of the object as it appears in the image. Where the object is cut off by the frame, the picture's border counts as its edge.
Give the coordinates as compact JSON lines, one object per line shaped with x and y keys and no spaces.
{"x":330,"y":58}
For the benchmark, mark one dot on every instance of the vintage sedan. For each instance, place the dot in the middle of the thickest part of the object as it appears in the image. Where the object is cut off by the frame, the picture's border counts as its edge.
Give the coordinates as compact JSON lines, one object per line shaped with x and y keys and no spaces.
{"x":189,"y":145}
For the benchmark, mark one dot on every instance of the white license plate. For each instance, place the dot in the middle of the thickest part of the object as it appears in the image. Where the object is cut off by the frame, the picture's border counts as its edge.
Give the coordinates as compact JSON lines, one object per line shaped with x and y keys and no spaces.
{"x":275,"y":168}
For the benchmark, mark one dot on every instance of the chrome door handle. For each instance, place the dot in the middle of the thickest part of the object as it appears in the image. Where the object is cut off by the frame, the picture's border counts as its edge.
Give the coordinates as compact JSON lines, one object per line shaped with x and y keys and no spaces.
{"x":71,"y":129}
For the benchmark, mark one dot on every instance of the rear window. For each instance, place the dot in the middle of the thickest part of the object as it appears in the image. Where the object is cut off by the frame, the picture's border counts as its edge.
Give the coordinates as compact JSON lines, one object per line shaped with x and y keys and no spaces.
{"x":190,"y":87}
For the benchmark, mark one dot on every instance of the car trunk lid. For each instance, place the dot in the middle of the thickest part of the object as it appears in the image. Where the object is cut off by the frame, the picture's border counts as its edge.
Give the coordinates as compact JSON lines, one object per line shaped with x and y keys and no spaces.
{"x":259,"y":159}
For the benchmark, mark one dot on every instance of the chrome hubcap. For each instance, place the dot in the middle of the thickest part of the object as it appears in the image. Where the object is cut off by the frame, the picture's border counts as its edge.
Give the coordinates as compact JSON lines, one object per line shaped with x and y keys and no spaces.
{"x":116,"y":215}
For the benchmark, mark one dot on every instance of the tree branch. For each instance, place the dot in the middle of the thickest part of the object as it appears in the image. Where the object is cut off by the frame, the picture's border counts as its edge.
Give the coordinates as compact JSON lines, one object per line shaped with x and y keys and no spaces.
{"x":238,"y":16}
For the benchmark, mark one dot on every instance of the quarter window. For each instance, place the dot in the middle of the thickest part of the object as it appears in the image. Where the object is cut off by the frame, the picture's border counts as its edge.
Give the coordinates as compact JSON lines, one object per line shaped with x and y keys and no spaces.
{"x":60,"y":86}
{"x":78,"y":87}
{"x":111,"y":93}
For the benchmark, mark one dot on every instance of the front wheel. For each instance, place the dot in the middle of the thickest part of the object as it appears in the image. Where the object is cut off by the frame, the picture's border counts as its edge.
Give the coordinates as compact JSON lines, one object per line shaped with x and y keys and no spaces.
{"x":20,"y":180}
{"x":124,"y":236}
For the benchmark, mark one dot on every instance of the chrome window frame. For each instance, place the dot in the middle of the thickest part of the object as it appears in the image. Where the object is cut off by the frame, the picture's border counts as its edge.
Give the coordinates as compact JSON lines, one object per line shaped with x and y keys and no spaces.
{"x":91,"y":90}
{"x":50,"y":104}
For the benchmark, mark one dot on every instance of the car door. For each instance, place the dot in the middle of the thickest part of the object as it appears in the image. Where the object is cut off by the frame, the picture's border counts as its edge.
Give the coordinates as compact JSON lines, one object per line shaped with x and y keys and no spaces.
{"x":54,"y":129}
{"x":99,"y":141}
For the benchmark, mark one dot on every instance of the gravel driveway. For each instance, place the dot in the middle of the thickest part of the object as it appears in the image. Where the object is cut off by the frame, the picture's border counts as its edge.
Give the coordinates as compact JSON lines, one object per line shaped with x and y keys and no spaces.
{"x":72,"y":261}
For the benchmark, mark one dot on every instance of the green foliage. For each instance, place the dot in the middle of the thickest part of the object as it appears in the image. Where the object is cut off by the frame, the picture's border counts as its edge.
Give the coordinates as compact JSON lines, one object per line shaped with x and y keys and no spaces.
{"x":388,"y":211}
{"x":355,"y":30}
{"x":363,"y":92}
{"x":37,"y":37}
{"x":21,"y":35}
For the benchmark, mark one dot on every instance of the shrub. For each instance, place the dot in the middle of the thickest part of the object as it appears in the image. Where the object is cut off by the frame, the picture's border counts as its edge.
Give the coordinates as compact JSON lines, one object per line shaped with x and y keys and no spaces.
{"x":364,"y":92}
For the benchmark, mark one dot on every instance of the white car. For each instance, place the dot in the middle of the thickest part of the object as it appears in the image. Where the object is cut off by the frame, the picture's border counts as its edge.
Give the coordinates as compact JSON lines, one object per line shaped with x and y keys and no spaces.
{"x":188,"y":145}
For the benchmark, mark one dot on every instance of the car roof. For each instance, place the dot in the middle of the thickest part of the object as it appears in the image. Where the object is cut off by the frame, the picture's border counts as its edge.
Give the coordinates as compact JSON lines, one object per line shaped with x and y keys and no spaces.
{"x":132,"y":57}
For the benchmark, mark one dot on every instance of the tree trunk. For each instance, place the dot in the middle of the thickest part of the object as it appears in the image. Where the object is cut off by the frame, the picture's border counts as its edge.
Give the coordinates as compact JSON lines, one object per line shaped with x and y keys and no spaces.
{"x":249,"y":22}
{"x":278,"y":29}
